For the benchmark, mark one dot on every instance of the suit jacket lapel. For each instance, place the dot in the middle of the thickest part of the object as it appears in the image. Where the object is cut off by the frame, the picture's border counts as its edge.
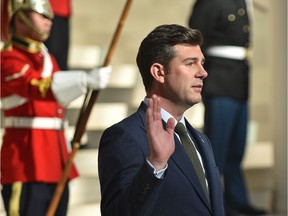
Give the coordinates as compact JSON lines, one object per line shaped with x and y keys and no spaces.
{"x":142,"y":113}
{"x":183,"y":162}
{"x":179,"y":157}
{"x":212,"y":173}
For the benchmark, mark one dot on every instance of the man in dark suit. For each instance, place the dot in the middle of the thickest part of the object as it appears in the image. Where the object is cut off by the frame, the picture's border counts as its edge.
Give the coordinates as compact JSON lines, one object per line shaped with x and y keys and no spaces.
{"x":225,"y":25}
{"x":144,"y":168}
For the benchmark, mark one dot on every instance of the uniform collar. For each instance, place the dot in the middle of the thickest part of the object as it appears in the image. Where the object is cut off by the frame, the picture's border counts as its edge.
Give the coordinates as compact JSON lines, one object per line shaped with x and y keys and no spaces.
{"x":30,"y":45}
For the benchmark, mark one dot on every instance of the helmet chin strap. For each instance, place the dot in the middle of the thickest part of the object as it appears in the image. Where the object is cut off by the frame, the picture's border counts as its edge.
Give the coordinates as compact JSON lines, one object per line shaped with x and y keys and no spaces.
{"x":28,"y":22}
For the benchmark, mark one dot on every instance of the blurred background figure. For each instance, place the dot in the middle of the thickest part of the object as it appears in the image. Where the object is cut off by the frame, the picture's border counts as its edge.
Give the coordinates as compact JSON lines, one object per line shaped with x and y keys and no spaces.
{"x":59,"y":40}
{"x":34,"y":147}
{"x":226,"y":28}
{"x":33,"y":95}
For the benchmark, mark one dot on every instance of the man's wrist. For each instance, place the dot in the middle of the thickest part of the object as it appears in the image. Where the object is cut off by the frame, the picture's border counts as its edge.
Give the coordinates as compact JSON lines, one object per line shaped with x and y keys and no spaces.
{"x":157,"y":173}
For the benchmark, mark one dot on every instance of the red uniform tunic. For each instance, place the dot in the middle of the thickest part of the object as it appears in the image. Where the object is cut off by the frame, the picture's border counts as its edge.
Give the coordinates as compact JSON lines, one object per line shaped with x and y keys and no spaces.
{"x":31,"y":154}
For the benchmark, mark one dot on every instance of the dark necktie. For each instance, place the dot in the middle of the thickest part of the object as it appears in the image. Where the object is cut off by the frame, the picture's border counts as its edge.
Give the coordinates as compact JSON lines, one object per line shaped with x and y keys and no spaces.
{"x":191,"y":151}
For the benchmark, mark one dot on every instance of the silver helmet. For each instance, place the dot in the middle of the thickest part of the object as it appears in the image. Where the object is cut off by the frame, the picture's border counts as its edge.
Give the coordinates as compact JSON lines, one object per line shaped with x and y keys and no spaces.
{"x":40,"y":6}
{"x":11,"y":7}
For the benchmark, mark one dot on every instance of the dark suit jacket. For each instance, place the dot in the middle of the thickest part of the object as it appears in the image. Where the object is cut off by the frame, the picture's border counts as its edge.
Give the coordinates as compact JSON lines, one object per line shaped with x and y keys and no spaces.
{"x":129,"y":188}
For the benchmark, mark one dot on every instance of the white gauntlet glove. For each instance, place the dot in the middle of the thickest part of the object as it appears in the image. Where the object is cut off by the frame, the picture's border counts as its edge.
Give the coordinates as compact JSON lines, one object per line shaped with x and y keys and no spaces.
{"x":98,"y":78}
{"x":68,"y":85}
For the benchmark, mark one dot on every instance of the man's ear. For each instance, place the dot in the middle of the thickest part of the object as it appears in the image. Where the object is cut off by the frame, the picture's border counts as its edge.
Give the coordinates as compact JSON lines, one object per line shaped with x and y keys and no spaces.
{"x":157,"y":71}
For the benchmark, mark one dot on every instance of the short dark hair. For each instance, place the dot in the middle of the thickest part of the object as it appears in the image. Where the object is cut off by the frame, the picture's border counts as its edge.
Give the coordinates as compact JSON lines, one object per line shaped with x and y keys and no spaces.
{"x":158,"y":47}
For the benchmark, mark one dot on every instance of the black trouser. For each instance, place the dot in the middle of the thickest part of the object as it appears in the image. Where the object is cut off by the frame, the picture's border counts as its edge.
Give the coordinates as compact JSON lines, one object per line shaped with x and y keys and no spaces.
{"x":34,"y":199}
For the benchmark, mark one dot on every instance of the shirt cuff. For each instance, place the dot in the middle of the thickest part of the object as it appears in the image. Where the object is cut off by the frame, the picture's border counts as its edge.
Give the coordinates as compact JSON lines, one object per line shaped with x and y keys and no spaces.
{"x":158,"y":174}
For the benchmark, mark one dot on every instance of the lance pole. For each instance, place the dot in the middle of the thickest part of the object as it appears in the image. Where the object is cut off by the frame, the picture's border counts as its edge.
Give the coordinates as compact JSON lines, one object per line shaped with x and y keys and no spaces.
{"x":86,"y":109}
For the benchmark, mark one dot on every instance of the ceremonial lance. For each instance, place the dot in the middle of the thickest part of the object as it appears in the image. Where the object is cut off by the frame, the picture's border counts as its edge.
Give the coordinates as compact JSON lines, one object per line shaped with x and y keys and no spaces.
{"x":86,"y":109}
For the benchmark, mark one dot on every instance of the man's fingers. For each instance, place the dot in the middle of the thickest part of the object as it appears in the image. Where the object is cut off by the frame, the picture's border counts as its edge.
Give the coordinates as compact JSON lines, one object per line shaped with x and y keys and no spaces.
{"x":170,"y":125}
{"x":156,"y":107}
{"x":149,"y":117}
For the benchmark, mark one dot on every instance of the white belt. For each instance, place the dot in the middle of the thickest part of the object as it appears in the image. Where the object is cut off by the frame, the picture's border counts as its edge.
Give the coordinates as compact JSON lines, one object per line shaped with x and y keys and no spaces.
{"x":35,"y":123}
{"x":231,"y":52}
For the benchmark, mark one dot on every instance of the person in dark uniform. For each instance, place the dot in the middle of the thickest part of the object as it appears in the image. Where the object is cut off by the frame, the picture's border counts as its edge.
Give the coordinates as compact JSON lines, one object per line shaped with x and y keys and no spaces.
{"x":225,"y":25}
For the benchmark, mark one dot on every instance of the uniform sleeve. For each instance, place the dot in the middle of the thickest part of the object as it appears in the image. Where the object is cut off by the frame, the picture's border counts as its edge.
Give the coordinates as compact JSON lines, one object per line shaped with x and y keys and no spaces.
{"x":21,"y":76}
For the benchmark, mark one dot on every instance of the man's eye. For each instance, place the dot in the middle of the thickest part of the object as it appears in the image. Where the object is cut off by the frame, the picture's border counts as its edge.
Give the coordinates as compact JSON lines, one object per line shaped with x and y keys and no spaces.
{"x":190,"y":63}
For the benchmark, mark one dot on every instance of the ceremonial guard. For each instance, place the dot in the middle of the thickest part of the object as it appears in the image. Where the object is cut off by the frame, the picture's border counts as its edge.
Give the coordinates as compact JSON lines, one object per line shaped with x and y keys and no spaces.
{"x":33,"y":94}
{"x":226,"y":29}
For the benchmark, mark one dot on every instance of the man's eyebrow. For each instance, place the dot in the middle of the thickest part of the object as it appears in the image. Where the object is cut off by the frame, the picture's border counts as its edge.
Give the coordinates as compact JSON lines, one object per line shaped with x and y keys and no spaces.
{"x":191,"y":59}
{"x":194,"y":59}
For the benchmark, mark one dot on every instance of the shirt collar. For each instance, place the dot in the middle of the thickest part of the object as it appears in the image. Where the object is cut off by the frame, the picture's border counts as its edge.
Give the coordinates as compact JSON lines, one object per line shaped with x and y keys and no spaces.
{"x":166,"y":115}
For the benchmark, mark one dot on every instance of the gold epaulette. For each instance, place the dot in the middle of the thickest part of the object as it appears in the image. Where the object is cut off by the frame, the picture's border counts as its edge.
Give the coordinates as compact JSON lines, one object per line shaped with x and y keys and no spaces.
{"x":43,"y":85}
